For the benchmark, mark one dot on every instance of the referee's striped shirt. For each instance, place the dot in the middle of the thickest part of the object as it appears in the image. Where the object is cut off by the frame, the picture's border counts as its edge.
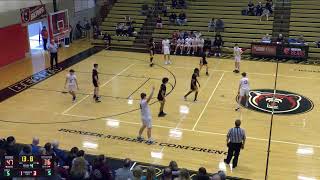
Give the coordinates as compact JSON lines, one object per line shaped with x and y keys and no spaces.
{"x":236,"y":135}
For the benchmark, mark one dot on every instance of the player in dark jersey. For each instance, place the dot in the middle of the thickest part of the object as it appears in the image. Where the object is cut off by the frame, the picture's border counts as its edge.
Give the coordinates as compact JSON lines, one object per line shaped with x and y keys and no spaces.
{"x":95,"y":82}
{"x":203,"y":62}
{"x":162,"y":96}
{"x":152,"y":47}
{"x":194,"y":87}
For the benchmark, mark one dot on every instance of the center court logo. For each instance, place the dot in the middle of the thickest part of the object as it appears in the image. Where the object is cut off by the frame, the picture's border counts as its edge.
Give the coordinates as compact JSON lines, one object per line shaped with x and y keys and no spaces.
{"x":285,"y":102}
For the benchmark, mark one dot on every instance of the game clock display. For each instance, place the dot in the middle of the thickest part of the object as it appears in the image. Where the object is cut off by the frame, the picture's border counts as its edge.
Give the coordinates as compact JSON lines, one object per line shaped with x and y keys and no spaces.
{"x":27,"y":166}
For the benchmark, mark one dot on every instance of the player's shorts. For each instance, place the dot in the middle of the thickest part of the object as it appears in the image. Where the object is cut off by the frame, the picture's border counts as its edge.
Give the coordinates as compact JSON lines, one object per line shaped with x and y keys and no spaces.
{"x":179,"y":45}
{"x":244,"y":92}
{"x":200,"y":45}
{"x":204,"y":62}
{"x":72,"y":87}
{"x":187,"y":45}
{"x":147,"y":122}
{"x":237,"y":58}
{"x":166,"y":51}
{"x":95,"y":83}
{"x":193,"y":87}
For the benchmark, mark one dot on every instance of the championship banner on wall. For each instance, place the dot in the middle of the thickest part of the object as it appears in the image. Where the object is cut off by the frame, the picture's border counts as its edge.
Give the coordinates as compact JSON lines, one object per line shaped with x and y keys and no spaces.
{"x":33,"y":13}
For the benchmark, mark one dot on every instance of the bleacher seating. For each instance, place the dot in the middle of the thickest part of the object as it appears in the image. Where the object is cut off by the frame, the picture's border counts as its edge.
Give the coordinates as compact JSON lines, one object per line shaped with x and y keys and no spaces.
{"x":121,"y":9}
{"x":238,"y":28}
{"x":305,"y":21}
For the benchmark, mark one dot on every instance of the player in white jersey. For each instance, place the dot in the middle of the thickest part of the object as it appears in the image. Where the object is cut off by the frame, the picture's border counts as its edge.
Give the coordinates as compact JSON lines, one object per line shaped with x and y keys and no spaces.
{"x":194,"y":44}
{"x":237,"y":51}
{"x":243,"y":90}
{"x":72,"y":84}
{"x":200,"y":44}
{"x":187,"y":44}
{"x":166,"y":50}
{"x":146,"y":116}
{"x":180,"y":45}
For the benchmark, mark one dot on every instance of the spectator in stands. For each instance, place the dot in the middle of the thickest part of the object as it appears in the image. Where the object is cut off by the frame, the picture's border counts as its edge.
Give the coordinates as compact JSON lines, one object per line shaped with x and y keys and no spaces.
{"x":217,"y":45}
{"x":300,"y":39}
{"x":107,"y":40}
{"x":184,"y":175}
{"x":202,"y":174}
{"x":219,"y":25}
{"x":44,"y":35}
{"x":11,"y":147}
{"x":174,"y":169}
{"x":212,"y":25}
{"x":100,"y":169}
{"x":220,"y":175}
{"x":215,"y":177}
{"x":150,"y":175}
{"x":280,"y":39}
{"x":79,"y":170}
{"x":265,"y":13}
{"x":159,"y":22}
{"x":175,"y":35}
{"x":124,"y":173}
{"x":96,"y":32}
{"x":48,"y":149}
{"x":128,"y":21}
{"x":167,"y":174}
{"x":2,"y":147}
{"x":269,"y":5}
{"x":130,"y":30}
{"x":72,"y":155}
{"x":145,"y":9}
{"x":137,"y":173}
{"x":259,"y":9}
{"x":174,"y":4}
{"x":172,"y":17}
{"x":266,"y":39}
{"x":317,"y":44}
{"x":182,"y":19}
{"x":79,"y":29}
{"x":164,"y":9}
{"x":60,"y":155}
{"x":250,"y":8}
{"x":120,"y":29}
{"x":34,"y":146}
{"x":87,"y":28}
{"x":26,"y":150}
{"x":182,"y":4}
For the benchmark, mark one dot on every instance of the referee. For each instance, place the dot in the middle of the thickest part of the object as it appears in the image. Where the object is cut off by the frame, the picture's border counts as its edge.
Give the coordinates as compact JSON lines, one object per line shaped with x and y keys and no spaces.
{"x":236,"y":139}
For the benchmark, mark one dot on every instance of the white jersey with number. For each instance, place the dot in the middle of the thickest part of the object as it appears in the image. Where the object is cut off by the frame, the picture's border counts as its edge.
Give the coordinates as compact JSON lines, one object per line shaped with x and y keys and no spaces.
{"x":201,"y":42}
{"x":237,"y":52}
{"x":244,"y":83}
{"x":180,"y":42}
{"x":71,"y":79}
{"x":188,"y":41}
{"x":146,"y":117}
{"x":166,"y":43}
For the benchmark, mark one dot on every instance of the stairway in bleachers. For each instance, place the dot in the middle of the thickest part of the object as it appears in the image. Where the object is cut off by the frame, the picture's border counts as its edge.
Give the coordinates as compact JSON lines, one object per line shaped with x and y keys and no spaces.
{"x":117,"y":14}
{"x":305,"y":21}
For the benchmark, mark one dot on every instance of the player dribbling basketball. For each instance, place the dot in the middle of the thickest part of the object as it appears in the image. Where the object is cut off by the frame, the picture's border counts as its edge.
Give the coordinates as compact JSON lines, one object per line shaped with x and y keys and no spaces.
{"x":72,"y":84}
{"x":243,"y":90}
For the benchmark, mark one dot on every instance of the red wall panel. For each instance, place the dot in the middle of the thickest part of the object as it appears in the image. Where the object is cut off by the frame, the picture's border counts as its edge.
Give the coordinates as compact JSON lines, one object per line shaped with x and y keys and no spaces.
{"x":13,"y":43}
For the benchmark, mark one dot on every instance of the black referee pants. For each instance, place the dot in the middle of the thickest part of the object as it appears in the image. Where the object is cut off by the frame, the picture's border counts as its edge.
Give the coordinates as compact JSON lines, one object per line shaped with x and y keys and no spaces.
{"x":233,"y":150}
{"x":54,"y":58}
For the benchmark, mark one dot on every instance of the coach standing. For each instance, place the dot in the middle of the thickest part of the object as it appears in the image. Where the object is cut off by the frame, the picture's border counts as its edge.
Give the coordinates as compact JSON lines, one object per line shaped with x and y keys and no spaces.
{"x":236,"y":139}
{"x":53,"y":49}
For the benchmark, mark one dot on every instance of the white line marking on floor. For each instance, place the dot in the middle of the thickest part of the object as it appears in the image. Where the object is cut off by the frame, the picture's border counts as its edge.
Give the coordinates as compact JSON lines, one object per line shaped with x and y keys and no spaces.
{"x":199,"y":131}
{"x":205,"y":107}
{"x":85,"y":97}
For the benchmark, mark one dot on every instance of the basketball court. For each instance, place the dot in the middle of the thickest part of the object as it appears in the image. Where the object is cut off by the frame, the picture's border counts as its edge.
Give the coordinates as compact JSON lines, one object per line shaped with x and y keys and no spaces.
{"x":193,"y":134}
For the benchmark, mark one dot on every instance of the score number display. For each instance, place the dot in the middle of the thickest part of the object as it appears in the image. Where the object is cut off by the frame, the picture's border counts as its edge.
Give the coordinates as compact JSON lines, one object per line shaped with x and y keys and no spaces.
{"x":26,"y":166}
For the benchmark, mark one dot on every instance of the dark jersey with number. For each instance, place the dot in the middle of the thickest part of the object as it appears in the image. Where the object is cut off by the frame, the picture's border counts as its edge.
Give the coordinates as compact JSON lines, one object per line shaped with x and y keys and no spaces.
{"x":162,"y":90}
{"x":194,"y":81}
{"x":94,"y":75}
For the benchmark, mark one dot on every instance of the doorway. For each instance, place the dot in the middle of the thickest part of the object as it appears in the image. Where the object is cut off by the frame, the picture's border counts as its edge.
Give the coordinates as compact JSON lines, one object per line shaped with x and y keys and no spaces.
{"x":35,"y":39}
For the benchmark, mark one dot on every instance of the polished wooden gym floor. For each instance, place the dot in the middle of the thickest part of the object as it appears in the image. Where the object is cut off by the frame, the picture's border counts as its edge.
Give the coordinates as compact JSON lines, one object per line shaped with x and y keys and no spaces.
{"x":193,"y":134}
